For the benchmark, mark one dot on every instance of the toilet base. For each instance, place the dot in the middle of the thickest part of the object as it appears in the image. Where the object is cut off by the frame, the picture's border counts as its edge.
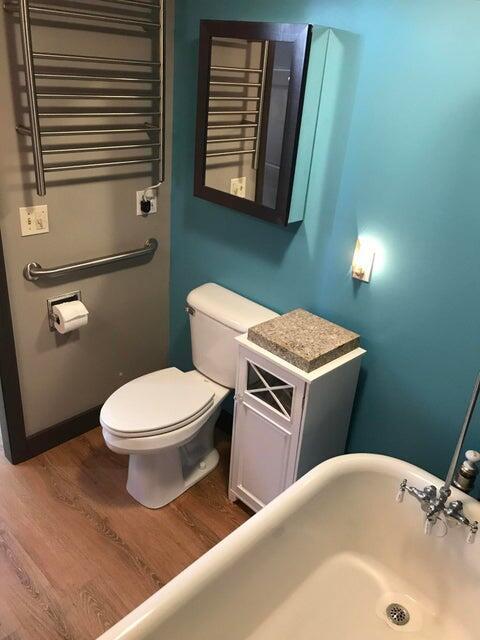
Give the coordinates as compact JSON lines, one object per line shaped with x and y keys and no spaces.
{"x":157,"y":479}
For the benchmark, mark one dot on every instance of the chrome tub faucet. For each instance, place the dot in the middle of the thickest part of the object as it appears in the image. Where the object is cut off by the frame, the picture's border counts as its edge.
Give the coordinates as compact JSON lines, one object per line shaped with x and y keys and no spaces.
{"x":435,"y":502}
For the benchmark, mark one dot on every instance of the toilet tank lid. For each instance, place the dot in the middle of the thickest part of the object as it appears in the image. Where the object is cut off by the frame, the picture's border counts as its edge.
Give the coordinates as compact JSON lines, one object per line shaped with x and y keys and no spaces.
{"x":227,"y":307}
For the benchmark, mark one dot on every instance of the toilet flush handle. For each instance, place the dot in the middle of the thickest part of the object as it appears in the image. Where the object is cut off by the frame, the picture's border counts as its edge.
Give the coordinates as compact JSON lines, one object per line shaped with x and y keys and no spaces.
{"x":190,"y":310}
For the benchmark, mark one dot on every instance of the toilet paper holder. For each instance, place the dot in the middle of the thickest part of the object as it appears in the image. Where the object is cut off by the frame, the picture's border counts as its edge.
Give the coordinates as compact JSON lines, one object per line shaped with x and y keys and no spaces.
{"x":65,"y":297}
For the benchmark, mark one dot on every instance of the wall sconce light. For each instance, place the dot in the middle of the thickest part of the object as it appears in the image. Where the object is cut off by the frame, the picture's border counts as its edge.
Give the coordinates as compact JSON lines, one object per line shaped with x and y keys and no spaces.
{"x":362,"y":262}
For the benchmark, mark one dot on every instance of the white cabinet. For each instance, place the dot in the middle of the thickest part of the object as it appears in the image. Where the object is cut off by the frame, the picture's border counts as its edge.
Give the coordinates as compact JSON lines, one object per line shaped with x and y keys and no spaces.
{"x":286,"y":421}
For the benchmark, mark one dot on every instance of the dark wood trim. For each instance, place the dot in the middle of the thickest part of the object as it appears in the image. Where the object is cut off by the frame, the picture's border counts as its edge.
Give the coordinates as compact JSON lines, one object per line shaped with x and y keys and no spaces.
{"x":13,"y":427}
{"x":262,"y":140}
{"x":63,"y":431}
{"x":300,"y":35}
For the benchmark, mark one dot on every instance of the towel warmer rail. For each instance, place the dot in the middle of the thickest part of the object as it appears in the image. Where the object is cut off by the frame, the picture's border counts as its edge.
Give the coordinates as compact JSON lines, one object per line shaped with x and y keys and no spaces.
{"x":257,"y":113}
{"x":36,"y":130}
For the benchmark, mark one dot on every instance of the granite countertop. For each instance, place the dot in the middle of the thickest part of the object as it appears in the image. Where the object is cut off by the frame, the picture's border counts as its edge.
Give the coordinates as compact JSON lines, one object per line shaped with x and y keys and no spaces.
{"x":304,"y":339}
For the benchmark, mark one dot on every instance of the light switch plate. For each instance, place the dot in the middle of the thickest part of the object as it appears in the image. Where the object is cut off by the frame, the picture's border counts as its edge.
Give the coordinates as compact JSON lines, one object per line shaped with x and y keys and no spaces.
{"x":238,"y":187}
{"x":34,"y":220}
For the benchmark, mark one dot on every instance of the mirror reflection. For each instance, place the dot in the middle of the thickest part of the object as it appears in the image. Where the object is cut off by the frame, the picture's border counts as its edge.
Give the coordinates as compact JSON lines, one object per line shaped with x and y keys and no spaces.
{"x":247,"y":105}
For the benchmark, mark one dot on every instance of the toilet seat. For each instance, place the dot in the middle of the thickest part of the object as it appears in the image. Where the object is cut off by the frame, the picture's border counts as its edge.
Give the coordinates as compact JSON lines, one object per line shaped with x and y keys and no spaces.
{"x":156,"y":403}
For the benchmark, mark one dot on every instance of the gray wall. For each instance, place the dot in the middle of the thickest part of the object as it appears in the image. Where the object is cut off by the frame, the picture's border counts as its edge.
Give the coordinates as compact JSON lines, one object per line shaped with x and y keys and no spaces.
{"x":91,"y":214}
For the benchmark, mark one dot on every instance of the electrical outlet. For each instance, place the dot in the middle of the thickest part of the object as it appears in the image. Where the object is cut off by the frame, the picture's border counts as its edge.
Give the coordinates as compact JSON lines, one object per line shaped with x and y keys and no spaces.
{"x":34,"y":220}
{"x":152,"y":199}
{"x":238,"y":187}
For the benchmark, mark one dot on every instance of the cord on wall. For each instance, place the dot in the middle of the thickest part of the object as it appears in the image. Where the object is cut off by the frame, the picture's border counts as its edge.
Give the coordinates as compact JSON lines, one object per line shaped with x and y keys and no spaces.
{"x":147,"y":196}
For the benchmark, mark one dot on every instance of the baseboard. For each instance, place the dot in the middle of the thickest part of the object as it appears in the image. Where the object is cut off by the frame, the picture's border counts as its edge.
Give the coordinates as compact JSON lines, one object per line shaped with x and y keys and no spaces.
{"x":81,"y":423}
{"x":61,"y":432}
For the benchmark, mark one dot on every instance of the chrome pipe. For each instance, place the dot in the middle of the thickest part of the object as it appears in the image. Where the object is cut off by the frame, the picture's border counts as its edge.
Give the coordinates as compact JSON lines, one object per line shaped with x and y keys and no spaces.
{"x":243,"y":98}
{"x":25,"y":131}
{"x":94,"y":114}
{"x":213,"y":140}
{"x":44,"y":55}
{"x":217,"y":68}
{"x":445,"y":490}
{"x":236,"y":84}
{"x":135,"y":3}
{"x":33,"y":271}
{"x":74,"y":76}
{"x":95,"y":96}
{"x":229,"y":153}
{"x":26,"y":32}
{"x":96,"y":165}
{"x":82,"y":15}
{"x":161,"y":115}
{"x":229,"y":125}
{"x":231,"y":113}
{"x":262,"y":100}
{"x":106,"y":147}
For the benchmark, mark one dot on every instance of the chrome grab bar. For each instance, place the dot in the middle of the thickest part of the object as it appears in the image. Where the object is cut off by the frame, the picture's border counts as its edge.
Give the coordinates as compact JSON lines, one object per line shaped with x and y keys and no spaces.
{"x":33,"y":271}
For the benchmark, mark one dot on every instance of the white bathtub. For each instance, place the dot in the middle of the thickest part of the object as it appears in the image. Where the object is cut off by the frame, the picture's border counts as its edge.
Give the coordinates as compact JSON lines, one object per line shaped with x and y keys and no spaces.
{"x":323,"y":561}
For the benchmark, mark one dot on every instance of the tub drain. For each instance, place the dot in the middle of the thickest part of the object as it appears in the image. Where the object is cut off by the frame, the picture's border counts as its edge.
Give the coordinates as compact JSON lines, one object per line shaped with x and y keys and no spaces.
{"x":397,"y":614}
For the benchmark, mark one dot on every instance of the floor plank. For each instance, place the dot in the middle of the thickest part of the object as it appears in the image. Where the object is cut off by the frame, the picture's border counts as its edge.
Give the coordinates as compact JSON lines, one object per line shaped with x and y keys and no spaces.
{"x":77,"y":553}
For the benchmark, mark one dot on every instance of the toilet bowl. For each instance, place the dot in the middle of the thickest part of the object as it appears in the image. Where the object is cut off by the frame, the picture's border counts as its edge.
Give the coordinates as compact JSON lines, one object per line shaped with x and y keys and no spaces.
{"x":164,"y":421}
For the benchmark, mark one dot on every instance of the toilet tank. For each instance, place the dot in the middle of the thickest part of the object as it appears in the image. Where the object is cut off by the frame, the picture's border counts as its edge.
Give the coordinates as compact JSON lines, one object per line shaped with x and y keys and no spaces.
{"x":217,"y":316}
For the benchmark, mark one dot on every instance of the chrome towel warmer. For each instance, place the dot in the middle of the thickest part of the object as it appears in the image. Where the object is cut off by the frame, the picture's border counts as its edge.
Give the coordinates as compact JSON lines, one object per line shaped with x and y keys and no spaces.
{"x":33,"y":271}
{"x":257,"y":113}
{"x":36,"y":131}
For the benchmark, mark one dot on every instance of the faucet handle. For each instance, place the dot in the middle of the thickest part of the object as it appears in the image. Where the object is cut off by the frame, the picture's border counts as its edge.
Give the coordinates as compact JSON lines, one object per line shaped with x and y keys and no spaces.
{"x":472,"y":532}
{"x":401,"y":491}
{"x":456,"y":506}
{"x":472,"y":456}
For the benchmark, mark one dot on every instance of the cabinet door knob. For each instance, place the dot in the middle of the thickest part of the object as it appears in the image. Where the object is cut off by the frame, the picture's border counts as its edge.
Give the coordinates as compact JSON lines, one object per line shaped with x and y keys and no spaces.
{"x":238,"y":397}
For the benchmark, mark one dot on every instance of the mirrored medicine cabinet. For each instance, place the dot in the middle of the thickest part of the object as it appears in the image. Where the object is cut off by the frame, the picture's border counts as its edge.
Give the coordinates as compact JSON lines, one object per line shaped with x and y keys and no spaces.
{"x":251,"y":82}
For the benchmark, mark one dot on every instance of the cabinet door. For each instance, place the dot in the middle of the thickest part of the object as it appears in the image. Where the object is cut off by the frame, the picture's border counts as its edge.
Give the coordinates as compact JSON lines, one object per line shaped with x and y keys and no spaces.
{"x":274,"y":392}
{"x":261,"y":467}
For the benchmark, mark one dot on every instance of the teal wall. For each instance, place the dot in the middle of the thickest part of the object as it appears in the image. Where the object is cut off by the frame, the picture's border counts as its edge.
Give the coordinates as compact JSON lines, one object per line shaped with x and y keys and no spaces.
{"x":410,"y":177}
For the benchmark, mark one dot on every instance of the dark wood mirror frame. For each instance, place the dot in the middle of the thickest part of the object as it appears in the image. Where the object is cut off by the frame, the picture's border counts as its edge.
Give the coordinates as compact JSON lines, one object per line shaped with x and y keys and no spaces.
{"x":299,"y":35}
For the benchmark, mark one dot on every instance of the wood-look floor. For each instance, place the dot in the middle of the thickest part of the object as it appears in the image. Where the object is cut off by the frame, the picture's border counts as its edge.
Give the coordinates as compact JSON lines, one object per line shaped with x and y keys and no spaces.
{"x":77,"y":553}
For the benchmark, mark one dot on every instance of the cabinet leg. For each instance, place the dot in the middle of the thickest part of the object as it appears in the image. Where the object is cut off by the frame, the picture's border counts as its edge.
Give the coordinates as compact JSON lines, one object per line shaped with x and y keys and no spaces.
{"x":231,"y":496}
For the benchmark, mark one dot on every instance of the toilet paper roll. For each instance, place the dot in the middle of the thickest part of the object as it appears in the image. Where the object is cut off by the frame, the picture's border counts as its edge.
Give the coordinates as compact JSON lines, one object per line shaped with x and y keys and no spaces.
{"x":69,"y":316}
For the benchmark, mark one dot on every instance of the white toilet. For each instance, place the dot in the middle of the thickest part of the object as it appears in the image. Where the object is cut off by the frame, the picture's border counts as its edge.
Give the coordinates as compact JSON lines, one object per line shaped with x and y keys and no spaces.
{"x":165,"y":420}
